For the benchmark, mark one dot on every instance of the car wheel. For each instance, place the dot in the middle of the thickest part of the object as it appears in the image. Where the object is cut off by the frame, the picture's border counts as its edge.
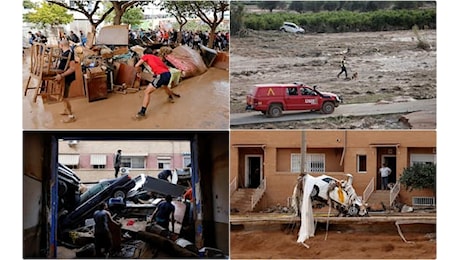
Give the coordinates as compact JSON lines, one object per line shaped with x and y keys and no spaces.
{"x":353,"y":210}
{"x":327,"y":108}
{"x":283,"y":30}
{"x":275,"y":110}
{"x":314,"y":192}
{"x":119,"y":193}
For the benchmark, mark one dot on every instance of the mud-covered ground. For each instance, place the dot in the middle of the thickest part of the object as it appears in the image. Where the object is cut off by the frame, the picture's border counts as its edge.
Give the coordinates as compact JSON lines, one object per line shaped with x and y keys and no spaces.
{"x":338,"y":242}
{"x":389,"y":65}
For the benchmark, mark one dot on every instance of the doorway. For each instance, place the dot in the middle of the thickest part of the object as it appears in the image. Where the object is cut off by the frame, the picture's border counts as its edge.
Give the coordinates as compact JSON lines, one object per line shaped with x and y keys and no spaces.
{"x":253,"y":171}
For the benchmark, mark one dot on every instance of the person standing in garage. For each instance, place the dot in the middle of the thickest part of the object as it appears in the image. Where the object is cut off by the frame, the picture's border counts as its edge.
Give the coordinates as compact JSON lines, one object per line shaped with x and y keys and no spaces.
{"x":117,"y":162}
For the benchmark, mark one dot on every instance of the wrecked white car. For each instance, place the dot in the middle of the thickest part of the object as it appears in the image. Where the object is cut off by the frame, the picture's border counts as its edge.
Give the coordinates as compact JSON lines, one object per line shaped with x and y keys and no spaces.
{"x":339,"y":194}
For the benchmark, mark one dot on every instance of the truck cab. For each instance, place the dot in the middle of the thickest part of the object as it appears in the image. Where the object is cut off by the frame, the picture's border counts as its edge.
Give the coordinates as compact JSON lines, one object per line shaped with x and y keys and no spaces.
{"x":273,"y":99}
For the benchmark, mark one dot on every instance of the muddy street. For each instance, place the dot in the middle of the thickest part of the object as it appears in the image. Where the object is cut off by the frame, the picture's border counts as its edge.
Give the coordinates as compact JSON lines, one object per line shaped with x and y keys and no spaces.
{"x":276,"y":242}
{"x":388,"y":64}
{"x":204,"y":104}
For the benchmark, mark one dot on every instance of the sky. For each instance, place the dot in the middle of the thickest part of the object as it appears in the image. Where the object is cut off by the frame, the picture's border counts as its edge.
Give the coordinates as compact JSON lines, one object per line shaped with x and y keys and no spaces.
{"x":448,"y":61}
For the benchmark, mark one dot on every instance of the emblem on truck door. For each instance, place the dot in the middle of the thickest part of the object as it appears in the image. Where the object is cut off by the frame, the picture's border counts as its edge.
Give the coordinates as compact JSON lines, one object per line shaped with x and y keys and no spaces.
{"x":270,"y":91}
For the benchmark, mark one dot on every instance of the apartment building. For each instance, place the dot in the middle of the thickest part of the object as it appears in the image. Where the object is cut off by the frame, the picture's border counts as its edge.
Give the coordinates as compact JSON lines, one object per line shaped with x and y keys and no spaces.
{"x":268,"y":162}
{"x":94,"y":160}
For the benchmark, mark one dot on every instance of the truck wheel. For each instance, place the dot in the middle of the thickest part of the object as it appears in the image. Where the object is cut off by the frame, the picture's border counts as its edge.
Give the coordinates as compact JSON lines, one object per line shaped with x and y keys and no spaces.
{"x":327,"y":108}
{"x":275,"y":110}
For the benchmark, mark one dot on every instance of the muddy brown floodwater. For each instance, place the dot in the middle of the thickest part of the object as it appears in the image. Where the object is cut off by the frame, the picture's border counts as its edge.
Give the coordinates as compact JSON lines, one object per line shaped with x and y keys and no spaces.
{"x":389,"y":66}
{"x":339,"y":242}
{"x":204,"y":104}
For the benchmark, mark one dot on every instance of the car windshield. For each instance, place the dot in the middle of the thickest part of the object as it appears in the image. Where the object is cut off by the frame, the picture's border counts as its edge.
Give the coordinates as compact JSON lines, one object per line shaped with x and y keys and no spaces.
{"x":94,"y":190}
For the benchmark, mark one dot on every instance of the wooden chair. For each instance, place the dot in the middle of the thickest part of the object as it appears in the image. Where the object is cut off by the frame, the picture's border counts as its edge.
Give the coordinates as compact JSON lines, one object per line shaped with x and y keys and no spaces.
{"x":44,"y":67}
{"x":53,"y":90}
{"x":37,"y":55}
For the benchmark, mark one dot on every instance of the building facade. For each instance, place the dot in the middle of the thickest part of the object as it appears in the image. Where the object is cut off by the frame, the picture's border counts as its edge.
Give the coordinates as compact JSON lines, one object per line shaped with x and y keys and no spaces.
{"x":271,"y":160}
{"x":94,"y":160}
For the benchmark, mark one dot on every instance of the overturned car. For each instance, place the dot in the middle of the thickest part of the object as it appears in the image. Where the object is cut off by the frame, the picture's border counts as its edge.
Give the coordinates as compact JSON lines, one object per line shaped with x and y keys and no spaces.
{"x":328,"y":190}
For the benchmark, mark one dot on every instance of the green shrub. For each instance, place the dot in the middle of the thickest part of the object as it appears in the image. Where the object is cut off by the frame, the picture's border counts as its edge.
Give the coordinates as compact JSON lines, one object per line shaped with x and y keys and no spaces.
{"x":419,"y":176}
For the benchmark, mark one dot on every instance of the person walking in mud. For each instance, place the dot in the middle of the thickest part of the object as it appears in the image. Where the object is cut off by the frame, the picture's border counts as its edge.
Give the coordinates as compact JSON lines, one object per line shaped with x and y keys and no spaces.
{"x":162,"y":79}
{"x":343,"y":67}
{"x":68,"y":76}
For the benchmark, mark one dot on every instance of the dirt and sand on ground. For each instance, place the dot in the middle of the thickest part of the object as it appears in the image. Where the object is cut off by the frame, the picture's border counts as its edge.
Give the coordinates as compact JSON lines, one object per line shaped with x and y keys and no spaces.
{"x":204,"y":104}
{"x":338,"y":242}
{"x":389,"y":64}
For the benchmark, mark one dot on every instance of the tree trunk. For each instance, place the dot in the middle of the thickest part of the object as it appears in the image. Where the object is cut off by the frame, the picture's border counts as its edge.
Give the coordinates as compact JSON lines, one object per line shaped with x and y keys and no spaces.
{"x":117,"y":18}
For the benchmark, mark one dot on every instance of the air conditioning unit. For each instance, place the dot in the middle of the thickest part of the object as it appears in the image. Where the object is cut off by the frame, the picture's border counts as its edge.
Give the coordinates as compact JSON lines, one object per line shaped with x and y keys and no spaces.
{"x":124,"y":171}
{"x":72,"y":142}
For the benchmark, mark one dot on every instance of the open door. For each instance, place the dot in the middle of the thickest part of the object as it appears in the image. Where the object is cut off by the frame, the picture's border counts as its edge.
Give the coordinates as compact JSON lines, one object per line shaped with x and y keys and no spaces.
{"x":253,"y":174}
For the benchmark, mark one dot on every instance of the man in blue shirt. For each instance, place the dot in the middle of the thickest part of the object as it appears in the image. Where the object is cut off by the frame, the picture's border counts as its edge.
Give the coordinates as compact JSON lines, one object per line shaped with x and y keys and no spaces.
{"x":164,"y":213}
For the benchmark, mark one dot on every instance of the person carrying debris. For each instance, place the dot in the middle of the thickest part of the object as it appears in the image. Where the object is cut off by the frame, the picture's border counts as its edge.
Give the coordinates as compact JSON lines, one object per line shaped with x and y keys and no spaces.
{"x":164,"y":213}
{"x":102,"y":235}
{"x":343,"y":68}
{"x":68,"y":76}
{"x":162,"y":79}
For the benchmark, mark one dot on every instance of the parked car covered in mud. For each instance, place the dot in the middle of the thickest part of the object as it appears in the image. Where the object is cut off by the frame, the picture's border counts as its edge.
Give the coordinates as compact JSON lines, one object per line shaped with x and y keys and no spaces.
{"x":273,"y":99}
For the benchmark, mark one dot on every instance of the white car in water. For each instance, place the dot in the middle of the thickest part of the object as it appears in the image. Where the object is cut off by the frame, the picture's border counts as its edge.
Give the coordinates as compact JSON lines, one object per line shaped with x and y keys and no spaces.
{"x":291,"y":27}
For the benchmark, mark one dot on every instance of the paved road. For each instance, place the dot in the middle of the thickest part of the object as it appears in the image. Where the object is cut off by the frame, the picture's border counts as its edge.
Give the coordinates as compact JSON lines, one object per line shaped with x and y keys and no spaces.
{"x":365,"y":109}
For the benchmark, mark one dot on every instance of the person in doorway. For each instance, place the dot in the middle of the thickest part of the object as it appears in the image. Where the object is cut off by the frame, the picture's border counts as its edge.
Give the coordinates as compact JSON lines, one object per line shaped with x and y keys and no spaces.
{"x":165,"y":175}
{"x":68,"y":76}
{"x":385,"y":171}
{"x":343,"y":67}
{"x":117,"y":162}
{"x":162,"y":79}
{"x":102,"y":235}
{"x":165,"y":213}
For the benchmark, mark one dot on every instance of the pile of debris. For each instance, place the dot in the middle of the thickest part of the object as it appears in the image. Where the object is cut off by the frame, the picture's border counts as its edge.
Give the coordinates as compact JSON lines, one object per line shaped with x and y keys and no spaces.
{"x":136,"y":235}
